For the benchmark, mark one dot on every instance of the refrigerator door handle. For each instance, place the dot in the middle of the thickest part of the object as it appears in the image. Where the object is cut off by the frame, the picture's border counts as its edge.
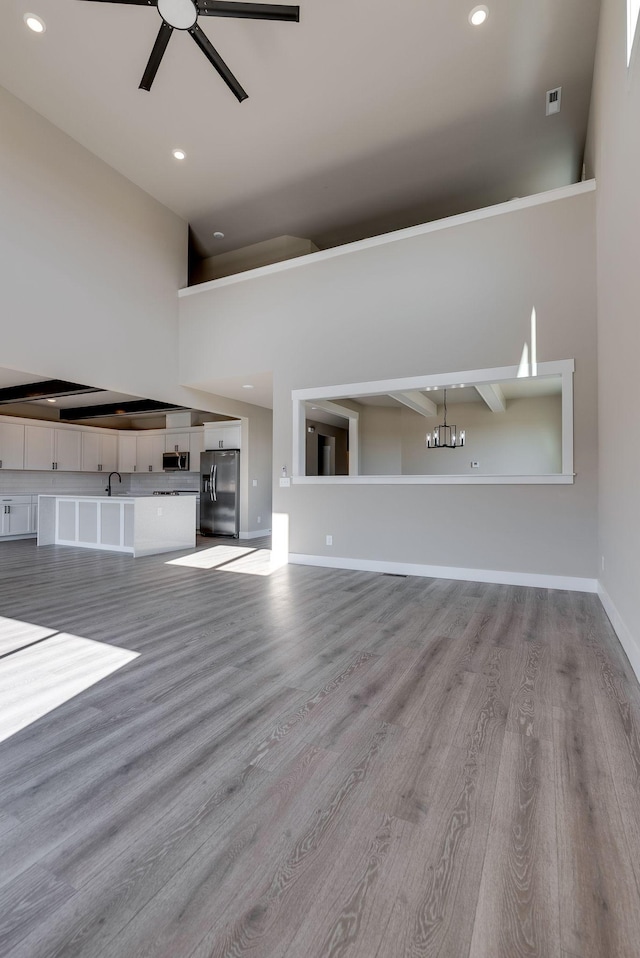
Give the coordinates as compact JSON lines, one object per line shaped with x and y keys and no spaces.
{"x":215,"y":476}
{"x":211,"y":484}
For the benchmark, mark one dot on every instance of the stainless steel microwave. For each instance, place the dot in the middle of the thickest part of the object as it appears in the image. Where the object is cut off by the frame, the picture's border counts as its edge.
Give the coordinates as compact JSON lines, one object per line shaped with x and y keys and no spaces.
{"x":175,"y":461}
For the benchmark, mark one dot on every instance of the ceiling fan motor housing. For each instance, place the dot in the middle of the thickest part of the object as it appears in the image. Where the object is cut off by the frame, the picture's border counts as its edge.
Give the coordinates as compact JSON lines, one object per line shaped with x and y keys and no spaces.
{"x":180,"y":14}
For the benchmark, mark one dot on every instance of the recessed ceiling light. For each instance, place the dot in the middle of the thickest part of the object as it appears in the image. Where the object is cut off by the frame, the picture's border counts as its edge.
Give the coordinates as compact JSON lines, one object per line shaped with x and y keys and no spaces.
{"x":51,"y":400}
{"x":35,"y":23}
{"x":178,"y":154}
{"x":247,"y":386}
{"x":478,"y":15}
{"x":218,"y":235}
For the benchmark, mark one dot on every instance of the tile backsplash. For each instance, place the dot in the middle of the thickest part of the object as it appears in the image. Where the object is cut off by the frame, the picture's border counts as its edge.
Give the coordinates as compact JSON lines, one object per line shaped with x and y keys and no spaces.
{"x":23,"y":482}
{"x":142,"y":482}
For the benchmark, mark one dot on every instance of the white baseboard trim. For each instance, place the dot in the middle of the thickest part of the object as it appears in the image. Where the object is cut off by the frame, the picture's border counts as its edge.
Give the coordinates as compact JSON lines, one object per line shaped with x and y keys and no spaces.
{"x":537,"y":580}
{"x":257,"y":534}
{"x":625,"y":637}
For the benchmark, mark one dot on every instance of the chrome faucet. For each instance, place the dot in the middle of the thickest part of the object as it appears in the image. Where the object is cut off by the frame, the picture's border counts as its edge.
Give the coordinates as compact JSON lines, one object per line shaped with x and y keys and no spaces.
{"x":108,"y":489}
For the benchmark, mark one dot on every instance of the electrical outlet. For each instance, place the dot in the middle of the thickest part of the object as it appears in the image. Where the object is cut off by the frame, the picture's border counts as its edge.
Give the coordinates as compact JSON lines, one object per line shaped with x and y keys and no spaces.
{"x":602,"y":563}
{"x":284,"y":482}
{"x":159,"y":511}
{"x":329,"y":540}
{"x":259,"y":519}
{"x":255,"y":482}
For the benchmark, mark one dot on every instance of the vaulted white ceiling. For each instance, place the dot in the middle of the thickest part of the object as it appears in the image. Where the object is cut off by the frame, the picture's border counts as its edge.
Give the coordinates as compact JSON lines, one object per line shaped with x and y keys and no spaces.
{"x":365,"y":116}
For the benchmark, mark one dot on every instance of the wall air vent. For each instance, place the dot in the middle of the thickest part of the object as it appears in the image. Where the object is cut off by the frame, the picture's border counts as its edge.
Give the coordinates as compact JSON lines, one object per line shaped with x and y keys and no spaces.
{"x":553,"y":100}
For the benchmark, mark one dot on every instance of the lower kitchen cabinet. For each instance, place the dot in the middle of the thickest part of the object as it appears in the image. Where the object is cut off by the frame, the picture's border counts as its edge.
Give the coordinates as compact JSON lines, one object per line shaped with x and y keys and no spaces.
{"x":17,"y":515}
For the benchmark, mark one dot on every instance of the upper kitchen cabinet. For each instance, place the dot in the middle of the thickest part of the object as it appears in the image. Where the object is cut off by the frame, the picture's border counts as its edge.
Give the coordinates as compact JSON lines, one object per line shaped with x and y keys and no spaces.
{"x":11,"y":445}
{"x":49,"y":448}
{"x":150,"y":450}
{"x":109,"y":453}
{"x":99,"y":452}
{"x":67,"y":447}
{"x":196,"y":446}
{"x":176,"y":442}
{"x":127,"y":452}
{"x":223,"y":435}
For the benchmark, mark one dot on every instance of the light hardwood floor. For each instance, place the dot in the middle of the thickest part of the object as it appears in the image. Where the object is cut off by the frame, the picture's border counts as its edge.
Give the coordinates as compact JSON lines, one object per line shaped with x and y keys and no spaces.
{"x":319,"y":763}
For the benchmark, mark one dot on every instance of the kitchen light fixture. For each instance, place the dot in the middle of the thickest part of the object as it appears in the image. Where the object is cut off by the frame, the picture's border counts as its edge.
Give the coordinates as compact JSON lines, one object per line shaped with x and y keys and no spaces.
{"x":218,"y":235}
{"x":35,"y":22}
{"x":478,"y":15}
{"x":247,"y":386}
{"x":178,"y":154}
{"x":52,"y":400}
{"x":445,"y":436}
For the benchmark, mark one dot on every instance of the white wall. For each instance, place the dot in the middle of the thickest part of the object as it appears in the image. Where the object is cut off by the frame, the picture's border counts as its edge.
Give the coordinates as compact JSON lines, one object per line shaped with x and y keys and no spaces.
{"x":89,"y":263}
{"x":615,"y":155}
{"x":452,"y":296}
{"x":524,"y":440}
{"x":380,"y":436}
{"x":90,"y":266}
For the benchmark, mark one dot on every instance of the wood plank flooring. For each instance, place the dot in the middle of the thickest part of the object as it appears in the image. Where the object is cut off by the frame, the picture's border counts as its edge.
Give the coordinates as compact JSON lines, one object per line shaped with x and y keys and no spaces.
{"x":317,"y":764}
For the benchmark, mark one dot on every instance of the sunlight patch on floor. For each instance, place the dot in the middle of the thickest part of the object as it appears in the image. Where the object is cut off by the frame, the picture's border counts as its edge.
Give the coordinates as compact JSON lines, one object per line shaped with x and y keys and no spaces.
{"x":211,"y":558}
{"x":243,"y":559}
{"x":259,"y":562}
{"x":37,"y":679}
{"x":14,"y":634}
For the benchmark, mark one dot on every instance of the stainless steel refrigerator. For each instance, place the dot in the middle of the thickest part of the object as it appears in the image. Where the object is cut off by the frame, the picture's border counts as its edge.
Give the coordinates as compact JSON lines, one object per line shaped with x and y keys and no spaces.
{"x":220,"y":492}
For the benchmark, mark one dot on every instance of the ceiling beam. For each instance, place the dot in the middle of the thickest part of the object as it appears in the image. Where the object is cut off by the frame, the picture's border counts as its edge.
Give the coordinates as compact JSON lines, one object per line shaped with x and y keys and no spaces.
{"x":415,"y":400}
{"x":47,"y":389}
{"x":334,"y":408}
{"x":129,"y":408}
{"x":493,"y":396}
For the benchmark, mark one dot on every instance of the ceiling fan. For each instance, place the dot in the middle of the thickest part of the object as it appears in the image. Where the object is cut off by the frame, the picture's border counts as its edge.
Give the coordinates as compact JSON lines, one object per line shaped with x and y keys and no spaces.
{"x":183,"y":15}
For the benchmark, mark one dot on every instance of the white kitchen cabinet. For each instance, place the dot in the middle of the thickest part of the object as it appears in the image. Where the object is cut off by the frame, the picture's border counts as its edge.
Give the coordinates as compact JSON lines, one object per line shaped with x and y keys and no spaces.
{"x":11,"y":445}
{"x":127,"y":452}
{"x":196,"y":446}
{"x":150,"y":450}
{"x":223,"y":435}
{"x":90,"y":452}
{"x":157,"y":452}
{"x":176,"y":442}
{"x":16,"y":515}
{"x":38,"y":447}
{"x":67,"y":448}
{"x":53,"y":449}
{"x":99,"y":452}
{"x":108,"y":453}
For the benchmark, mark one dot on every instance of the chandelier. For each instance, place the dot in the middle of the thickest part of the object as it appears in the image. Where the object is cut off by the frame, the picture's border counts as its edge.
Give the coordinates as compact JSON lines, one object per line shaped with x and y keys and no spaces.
{"x":445,"y":436}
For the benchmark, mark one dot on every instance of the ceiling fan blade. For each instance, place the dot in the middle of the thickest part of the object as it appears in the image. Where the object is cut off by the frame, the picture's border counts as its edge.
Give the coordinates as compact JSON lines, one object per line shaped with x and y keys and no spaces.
{"x":137,"y":3}
{"x":149,"y":75}
{"x":249,"y":11}
{"x":217,"y":62}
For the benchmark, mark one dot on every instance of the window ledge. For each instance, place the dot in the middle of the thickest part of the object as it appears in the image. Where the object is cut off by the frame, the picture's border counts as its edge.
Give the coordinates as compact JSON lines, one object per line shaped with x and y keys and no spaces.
{"x":555,"y":479}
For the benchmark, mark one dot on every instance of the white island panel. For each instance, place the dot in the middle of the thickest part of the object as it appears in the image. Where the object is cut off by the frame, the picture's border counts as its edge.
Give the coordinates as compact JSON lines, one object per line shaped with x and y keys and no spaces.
{"x":164,"y":523}
{"x":138,"y":525}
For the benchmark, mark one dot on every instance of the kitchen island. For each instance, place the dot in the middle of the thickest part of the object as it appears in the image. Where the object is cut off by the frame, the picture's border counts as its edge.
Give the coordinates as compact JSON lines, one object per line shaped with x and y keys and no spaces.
{"x":137,"y":525}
